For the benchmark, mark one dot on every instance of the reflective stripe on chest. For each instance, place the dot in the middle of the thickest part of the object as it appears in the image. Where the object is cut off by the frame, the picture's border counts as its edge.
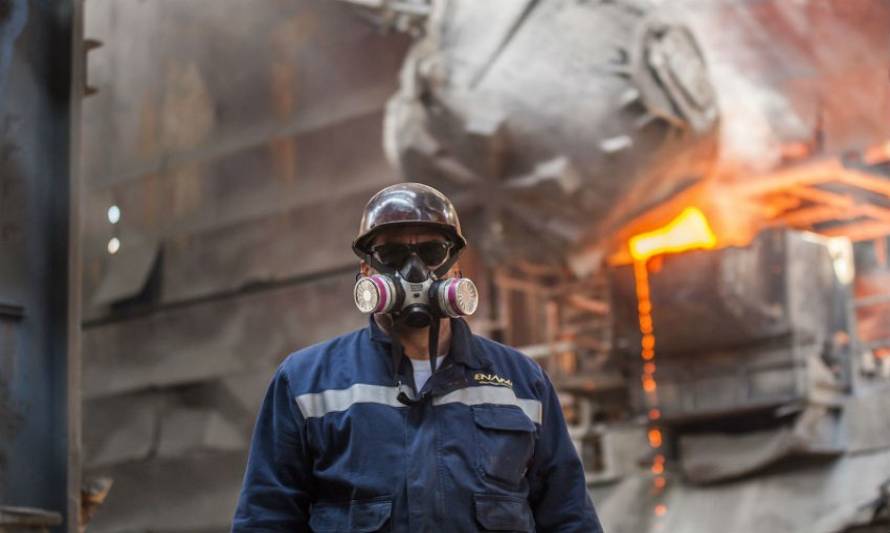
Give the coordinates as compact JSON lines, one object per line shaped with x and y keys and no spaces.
{"x":318,"y":404}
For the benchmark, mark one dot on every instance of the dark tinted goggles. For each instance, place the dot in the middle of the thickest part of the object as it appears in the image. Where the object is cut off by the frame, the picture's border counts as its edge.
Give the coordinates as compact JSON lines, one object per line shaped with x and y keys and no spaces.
{"x":394,"y":254}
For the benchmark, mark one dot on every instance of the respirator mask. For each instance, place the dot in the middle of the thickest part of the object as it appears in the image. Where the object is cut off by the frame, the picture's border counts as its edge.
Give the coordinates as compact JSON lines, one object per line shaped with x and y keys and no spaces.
{"x":409,"y":285}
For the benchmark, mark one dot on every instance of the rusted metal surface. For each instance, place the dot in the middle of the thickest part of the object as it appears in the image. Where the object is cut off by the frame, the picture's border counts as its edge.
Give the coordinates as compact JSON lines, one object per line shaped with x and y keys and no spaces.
{"x":238,"y":157}
{"x":92,"y":495}
{"x":229,"y":196}
{"x":184,"y":147}
{"x":272,"y":196}
{"x":243,"y":184}
{"x":38,"y":258}
{"x":176,"y":105}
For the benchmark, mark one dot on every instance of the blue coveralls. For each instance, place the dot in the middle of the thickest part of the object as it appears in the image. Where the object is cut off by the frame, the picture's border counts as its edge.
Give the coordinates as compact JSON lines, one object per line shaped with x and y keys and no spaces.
{"x":482,"y":447}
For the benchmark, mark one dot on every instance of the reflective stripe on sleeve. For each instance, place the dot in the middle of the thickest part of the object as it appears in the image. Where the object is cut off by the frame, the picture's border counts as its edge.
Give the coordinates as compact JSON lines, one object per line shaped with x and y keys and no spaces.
{"x":493,"y":395}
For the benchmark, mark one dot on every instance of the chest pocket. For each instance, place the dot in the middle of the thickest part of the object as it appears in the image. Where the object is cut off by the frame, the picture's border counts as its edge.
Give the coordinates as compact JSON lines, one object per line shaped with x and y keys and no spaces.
{"x":505,"y":441}
{"x":358,"y":516}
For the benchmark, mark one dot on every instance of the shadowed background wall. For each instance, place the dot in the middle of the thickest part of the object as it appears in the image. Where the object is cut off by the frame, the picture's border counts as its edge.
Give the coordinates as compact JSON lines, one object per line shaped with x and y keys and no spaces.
{"x":238,"y":141}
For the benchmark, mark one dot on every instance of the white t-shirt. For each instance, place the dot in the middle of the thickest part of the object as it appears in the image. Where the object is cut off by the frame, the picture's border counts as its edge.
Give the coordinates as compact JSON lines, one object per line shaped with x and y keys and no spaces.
{"x":422,"y":370}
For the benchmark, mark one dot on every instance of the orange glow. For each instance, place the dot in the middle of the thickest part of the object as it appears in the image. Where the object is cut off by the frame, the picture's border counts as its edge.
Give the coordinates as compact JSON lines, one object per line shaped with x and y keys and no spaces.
{"x":795,"y":150}
{"x":648,"y":342}
{"x":877,"y":154}
{"x":689,"y":231}
{"x":647,"y":353}
{"x":737,"y":206}
{"x":661,"y":509}
{"x":648,"y":384}
{"x":655,"y":438}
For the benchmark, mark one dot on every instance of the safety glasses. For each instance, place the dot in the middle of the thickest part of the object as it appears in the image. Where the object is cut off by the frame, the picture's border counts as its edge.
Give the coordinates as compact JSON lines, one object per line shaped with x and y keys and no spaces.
{"x":394,"y":254}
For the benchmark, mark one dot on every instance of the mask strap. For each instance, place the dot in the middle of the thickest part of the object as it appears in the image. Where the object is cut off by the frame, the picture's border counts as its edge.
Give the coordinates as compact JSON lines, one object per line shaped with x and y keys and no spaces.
{"x":405,"y":395}
{"x":396,"y":351}
{"x":434,"y":343}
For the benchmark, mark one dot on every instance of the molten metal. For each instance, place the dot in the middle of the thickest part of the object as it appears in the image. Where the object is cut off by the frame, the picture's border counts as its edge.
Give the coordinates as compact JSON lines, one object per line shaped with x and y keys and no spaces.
{"x":689,"y":231}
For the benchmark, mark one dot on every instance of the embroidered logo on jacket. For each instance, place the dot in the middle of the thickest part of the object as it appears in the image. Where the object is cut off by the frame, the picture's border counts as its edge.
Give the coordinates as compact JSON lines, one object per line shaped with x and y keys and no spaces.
{"x":492,"y":379}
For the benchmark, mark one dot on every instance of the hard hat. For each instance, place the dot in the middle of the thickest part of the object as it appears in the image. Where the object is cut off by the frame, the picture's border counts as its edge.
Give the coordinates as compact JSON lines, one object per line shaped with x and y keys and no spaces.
{"x":409,"y":204}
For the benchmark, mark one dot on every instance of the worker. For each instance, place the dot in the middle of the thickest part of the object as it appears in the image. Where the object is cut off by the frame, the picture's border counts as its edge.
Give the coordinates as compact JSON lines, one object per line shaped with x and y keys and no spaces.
{"x":412,"y":424}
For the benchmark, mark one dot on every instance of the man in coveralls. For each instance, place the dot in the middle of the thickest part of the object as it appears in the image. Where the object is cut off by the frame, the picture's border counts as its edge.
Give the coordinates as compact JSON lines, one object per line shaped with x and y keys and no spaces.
{"x":375,"y":431}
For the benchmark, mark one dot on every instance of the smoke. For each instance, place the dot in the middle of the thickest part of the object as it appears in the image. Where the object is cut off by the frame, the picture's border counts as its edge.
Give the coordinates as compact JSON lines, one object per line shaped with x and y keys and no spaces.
{"x":812,"y":72}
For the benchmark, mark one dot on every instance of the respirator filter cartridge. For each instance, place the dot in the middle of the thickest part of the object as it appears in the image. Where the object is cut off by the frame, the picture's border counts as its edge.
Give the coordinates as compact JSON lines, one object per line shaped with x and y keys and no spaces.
{"x":457,"y":297}
{"x":375,"y":294}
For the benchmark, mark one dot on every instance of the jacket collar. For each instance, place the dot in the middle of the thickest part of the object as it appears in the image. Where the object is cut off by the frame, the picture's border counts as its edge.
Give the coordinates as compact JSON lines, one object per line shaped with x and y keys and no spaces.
{"x":464,"y":349}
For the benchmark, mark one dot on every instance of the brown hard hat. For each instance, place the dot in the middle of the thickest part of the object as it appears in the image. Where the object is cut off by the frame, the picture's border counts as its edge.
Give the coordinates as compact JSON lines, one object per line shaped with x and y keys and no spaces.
{"x":408,"y":204}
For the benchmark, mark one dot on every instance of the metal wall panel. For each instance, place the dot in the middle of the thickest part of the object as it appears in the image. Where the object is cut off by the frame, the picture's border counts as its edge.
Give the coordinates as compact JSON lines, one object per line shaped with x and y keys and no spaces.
{"x":240,"y":141}
{"x":272,"y":248}
{"x":194,"y":494}
{"x":216,"y":338}
{"x":181,"y":81}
